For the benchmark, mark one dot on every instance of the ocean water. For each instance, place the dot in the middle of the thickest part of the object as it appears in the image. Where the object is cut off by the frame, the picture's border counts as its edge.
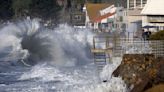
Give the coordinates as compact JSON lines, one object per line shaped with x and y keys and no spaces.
{"x":36,"y":59}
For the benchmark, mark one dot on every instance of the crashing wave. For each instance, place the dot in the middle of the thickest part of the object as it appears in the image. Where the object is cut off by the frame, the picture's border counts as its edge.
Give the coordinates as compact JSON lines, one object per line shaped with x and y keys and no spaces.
{"x":30,"y":42}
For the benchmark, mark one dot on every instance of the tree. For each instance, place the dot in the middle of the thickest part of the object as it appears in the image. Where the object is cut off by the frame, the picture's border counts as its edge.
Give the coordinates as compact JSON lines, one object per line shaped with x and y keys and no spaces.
{"x":97,"y":1}
{"x":44,"y":8}
{"x":6,"y":11}
{"x":21,"y":7}
{"x":80,"y":1}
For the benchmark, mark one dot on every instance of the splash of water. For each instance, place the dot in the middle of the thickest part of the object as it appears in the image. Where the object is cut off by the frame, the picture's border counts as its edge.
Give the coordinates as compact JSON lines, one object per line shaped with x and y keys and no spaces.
{"x":28,"y":41}
{"x":83,"y":79}
{"x":61,"y":57}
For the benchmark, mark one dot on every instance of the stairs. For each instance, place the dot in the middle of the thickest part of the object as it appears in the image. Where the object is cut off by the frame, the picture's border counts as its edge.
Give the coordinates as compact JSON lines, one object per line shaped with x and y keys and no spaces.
{"x":100,"y":60}
{"x":102,"y":50}
{"x":118,"y":52}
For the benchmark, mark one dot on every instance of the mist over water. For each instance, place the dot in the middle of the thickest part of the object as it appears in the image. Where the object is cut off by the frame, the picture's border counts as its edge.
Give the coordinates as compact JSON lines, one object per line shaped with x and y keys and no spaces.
{"x":29,"y":42}
{"x":59,"y":60}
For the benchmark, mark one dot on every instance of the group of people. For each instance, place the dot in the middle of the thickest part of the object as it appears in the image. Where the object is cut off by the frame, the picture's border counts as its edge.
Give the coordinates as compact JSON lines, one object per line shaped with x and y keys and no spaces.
{"x":146,"y":34}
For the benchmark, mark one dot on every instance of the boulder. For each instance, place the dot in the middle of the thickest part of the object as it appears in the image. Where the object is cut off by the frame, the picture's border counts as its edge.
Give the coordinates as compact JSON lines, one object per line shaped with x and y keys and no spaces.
{"x":137,"y":70}
{"x":157,"y":88}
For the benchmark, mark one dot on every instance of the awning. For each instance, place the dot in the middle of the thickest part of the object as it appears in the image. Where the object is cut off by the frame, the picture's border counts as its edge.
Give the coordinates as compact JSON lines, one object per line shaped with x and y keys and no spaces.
{"x":148,"y":26}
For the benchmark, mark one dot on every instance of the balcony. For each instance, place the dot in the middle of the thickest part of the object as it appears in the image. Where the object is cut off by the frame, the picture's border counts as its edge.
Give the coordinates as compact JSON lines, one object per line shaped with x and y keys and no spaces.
{"x":156,"y":19}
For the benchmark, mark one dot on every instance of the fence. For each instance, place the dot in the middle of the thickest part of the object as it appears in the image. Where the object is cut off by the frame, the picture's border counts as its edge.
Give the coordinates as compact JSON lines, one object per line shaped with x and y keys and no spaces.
{"x":105,"y":47}
{"x":119,"y":46}
{"x":138,"y":46}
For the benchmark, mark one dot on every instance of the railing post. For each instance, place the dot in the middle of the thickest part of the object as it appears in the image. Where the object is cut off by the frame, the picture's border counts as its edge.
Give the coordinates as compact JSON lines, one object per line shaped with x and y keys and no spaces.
{"x":94,"y":43}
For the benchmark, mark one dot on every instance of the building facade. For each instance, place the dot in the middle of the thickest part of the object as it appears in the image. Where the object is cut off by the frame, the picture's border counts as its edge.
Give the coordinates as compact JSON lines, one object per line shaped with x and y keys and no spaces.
{"x":133,"y":4}
{"x":104,"y":17}
{"x":133,"y":17}
{"x":153,"y":14}
{"x":98,"y":16}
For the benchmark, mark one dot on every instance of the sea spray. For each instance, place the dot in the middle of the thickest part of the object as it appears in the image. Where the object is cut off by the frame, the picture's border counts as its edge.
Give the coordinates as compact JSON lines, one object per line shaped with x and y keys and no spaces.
{"x":61,"y":58}
{"x":60,"y":46}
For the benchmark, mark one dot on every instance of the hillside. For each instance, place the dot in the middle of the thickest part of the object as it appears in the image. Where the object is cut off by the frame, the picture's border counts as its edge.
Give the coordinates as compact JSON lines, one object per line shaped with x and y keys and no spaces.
{"x":51,"y":9}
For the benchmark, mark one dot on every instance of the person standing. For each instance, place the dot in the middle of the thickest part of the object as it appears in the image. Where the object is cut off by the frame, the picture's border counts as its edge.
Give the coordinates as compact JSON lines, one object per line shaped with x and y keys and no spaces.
{"x":143,"y":34}
{"x":148,"y":34}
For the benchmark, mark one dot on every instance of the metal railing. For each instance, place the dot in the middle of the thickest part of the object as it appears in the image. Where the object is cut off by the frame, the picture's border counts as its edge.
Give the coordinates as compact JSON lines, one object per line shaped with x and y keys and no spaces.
{"x":138,"y":46}
{"x":120,"y":46}
{"x":156,"y":19}
{"x":105,"y":47}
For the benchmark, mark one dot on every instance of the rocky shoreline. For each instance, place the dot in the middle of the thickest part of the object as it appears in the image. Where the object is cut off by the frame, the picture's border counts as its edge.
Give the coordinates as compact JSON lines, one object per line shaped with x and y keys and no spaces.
{"x":141,"y":71}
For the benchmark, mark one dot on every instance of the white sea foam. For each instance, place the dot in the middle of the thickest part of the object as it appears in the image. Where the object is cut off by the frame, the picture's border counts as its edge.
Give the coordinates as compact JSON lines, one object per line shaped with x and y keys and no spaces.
{"x":79,"y":79}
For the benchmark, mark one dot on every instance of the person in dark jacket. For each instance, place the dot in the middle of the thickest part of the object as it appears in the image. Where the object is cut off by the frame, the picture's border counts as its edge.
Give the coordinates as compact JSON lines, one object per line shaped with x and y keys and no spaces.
{"x":143,"y":34}
{"x":146,"y":35}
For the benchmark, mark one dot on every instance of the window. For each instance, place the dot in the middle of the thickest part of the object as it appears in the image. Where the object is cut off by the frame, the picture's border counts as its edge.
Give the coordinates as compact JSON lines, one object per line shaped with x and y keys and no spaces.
{"x":138,"y":3}
{"x":131,"y":3}
{"x":77,"y":17}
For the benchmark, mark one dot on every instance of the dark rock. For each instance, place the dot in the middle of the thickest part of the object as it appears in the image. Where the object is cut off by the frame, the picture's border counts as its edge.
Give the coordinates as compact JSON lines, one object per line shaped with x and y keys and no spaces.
{"x":156,"y":88}
{"x":160,"y":73}
{"x":137,"y":70}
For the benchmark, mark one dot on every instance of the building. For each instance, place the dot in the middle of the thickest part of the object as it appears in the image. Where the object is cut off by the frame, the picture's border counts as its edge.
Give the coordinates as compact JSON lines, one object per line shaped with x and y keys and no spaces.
{"x":153,"y":14}
{"x":77,"y":16}
{"x":77,"y":19}
{"x":133,"y":17}
{"x":136,"y":4}
{"x":100,"y":16}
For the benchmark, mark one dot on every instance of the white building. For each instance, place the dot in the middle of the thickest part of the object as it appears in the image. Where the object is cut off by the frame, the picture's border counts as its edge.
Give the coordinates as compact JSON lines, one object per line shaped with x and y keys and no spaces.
{"x":153,"y":14}
{"x":104,"y":17}
{"x":133,"y":4}
{"x":133,"y":17}
{"x":98,"y":16}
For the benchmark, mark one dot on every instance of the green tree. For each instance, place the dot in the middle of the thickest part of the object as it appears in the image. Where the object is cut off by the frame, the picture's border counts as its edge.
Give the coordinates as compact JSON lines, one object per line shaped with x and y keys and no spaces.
{"x":97,"y":1}
{"x":44,"y":8}
{"x":80,"y":1}
{"x":21,"y":7}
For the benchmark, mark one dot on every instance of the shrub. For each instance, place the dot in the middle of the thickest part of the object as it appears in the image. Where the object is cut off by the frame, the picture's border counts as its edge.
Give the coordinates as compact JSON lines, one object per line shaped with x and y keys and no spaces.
{"x":158,"y":35}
